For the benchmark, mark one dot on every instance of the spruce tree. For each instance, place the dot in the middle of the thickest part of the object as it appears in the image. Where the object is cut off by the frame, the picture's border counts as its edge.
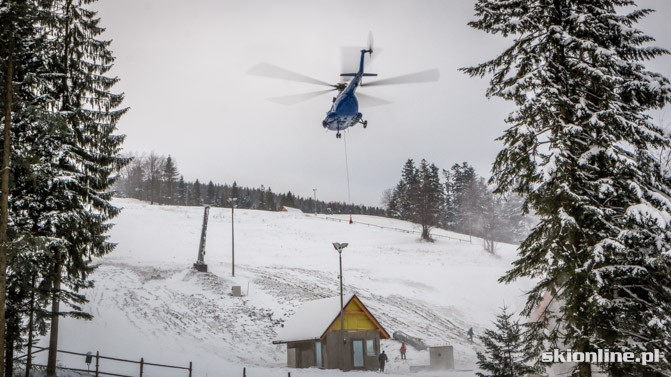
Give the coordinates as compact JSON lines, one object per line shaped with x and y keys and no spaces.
{"x":505,"y":350}
{"x":196,"y":196}
{"x":182,"y":192}
{"x":466,"y":192}
{"x":210,"y":194}
{"x":407,"y":190}
{"x":28,"y":133}
{"x":288,"y":200}
{"x":170,"y":174}
{"x":235,"y":190}
{"x":449,"y":207}
{"x":261,"y":204}
{"x":270,"y":200}
{"x":427,"y":199}
{"x":395,"y":201}
{"x":578,"y":150}
{"x":89,"y":158}
{"x":134,"y":187}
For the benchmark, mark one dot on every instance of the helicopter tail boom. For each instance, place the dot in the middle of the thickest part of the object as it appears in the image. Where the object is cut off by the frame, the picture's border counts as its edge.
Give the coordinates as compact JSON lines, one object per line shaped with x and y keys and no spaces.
{"x":354,"y":74}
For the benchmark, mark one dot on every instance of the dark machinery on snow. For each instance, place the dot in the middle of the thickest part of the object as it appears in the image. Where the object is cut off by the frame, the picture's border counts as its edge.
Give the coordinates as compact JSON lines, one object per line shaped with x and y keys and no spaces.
{"x":200,"y":263}
{"x":416,"y":343}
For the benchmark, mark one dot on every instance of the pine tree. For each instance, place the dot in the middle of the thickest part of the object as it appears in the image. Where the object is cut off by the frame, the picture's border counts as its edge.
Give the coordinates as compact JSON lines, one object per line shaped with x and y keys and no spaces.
{"x":270,"y":200}
{"x":210,"y":193}
{"x":449,"y":207}
{"x":407,"y":190}
{"x":579,"y":152}
{"x":27,"y":296}
{"x":134,"y":186}
{"x":393,"y":208}
{"x":89,"y":158}
{"x":504,"y":349}
{"x":288,"y":200}
{"x":466,"y":197}
{"x":170,"y":174}
{"x":427,"y":201}
{"x":235,"y":190}
{"x":196,"y":196}
{"x":261,"y":204}
{"x":491,"y":224}
{"x":182,"y":192}
{"x":28,"y":133}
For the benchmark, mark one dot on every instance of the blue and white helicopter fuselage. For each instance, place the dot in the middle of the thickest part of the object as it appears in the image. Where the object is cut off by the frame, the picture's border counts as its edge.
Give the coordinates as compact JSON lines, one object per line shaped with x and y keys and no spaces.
{"x":344,"y":112}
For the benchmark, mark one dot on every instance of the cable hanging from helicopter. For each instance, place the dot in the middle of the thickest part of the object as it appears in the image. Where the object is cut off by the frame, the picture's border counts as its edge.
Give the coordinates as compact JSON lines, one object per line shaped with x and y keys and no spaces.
{"x":344,"y":112}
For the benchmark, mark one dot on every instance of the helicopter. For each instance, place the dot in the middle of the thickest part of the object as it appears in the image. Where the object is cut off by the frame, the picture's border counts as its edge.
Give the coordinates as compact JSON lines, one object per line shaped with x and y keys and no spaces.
{"x":344,"y":112}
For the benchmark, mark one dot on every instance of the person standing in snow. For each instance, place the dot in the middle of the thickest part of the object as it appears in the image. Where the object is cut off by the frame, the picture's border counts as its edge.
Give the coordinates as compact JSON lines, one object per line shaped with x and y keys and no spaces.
{"x":403,"y":349}
{"x":470,"y":334}
{"x":382,"y":358}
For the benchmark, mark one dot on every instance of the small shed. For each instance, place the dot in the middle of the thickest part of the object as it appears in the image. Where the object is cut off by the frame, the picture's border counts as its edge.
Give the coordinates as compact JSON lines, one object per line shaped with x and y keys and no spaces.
{"x":314,"y":339}
{"x":441,"y":357}
{"x":290,"y":209}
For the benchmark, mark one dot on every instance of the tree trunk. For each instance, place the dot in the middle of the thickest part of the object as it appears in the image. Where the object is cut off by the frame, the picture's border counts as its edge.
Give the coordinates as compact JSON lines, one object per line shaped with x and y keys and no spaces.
{"x":426,"y":233}
{"x":584,"y":368}
{"x":55,"y":309}
{"x":4,"y":186}
{"x":11,"y":334}
{"x":31,"y":323}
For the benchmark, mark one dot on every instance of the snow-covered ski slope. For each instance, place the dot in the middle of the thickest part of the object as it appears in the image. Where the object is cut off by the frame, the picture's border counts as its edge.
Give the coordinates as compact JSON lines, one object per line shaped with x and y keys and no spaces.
{"x":148,"y":302}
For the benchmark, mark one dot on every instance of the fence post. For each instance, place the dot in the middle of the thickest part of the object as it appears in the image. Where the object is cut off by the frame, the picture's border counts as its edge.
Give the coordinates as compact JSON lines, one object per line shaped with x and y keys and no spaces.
{"x":141,"y":366}
{"x":97,"y":362}
{"x":190,"y":368}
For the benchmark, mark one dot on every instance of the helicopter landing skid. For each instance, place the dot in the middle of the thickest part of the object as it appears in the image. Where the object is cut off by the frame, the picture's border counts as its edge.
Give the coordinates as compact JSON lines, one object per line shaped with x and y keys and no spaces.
{"x":364,"y":122}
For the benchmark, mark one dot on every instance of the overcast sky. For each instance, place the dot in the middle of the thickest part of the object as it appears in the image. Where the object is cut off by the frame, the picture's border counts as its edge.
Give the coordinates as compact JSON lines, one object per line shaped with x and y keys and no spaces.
{"x":183,"y":68}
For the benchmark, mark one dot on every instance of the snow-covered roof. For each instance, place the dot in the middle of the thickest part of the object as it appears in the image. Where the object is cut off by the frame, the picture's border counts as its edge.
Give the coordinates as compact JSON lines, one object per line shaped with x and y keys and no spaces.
{"x":311,"y":319}
{"x":291,"y":209}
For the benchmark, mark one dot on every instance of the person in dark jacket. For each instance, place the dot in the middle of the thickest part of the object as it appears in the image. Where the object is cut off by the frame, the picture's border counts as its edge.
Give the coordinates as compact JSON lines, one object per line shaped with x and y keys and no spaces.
{"x":382,"y":358}
{"x":404,"y":348}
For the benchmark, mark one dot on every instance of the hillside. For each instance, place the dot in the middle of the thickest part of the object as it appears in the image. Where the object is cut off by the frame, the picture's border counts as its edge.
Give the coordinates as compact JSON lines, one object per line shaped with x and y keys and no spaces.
{"x":148,"y":302}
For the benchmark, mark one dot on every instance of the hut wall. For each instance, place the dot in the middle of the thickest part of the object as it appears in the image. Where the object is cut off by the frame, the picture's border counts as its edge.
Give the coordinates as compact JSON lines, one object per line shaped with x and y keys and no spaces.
{"x":336,"y":352}
{"x":304,"y":353}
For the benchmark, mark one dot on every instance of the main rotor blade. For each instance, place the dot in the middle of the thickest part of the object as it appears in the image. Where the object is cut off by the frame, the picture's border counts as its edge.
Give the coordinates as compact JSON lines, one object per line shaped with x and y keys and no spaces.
{"x":298,"y":98}
{"x":423,"y":76}
{"x":370,"y":101}
{"x":275,"y":72}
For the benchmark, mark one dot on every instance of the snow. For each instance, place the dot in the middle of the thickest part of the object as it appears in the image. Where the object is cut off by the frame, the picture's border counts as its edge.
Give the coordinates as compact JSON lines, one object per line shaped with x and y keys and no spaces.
{"x":644,"y":211}
{"x":148,"y":301}
{"x":312,"y":319}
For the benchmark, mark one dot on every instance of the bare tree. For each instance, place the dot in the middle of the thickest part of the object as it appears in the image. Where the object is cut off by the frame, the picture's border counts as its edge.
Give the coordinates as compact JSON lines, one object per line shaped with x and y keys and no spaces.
{"x":153,"y":167}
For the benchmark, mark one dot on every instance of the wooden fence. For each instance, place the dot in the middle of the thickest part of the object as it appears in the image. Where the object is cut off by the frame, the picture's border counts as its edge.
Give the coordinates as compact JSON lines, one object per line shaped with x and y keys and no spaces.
{"x":326,"y":217}
{"x":97,"y":357}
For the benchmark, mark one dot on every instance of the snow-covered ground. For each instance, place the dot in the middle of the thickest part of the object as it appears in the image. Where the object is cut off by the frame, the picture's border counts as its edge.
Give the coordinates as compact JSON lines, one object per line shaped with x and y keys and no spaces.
{"x":148,"y":301}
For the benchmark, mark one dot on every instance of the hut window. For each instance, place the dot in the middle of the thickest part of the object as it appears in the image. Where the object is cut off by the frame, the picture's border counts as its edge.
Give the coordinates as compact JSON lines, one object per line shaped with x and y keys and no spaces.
{"x":370,"y":347}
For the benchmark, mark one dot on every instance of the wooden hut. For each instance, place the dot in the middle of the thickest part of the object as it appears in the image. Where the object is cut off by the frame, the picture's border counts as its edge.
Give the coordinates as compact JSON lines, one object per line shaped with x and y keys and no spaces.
{"x":314,"y":339}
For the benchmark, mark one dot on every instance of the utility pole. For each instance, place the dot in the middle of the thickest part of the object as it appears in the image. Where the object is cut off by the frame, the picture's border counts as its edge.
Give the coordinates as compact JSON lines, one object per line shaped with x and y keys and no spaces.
{"x":339,"y":247}
{"x":232,"y":201}
{"x":315,"y":190}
